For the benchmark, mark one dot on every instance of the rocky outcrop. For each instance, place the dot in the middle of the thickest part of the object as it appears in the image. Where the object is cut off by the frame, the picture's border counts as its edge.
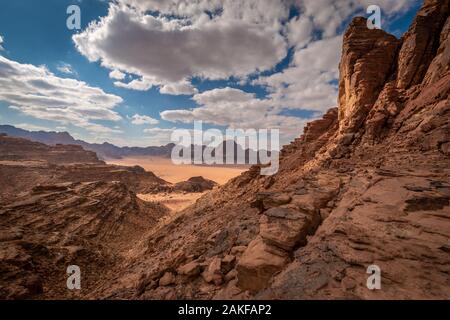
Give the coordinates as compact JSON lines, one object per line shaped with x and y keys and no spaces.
{"x":194,"y":184}
{"x":18,"y":149}
{"x":421,"y":42}
{"x":367,"y":63}
{"x":441,"y":62}
{"x":366,"y":185}
{"x":52,"y":227}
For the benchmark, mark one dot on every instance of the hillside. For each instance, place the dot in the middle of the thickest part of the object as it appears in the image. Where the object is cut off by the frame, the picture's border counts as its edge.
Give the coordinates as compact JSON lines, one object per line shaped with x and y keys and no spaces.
{"x":366,"y":185}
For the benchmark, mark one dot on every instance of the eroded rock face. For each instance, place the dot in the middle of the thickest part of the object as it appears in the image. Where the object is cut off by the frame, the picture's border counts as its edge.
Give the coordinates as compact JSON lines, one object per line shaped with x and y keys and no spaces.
{"x":421,"y":43}
{"x":375,"y":193}
{"x":18,"y":149}
{"x":441,"y":63}
{"x":52,"y":227}
{"x":366,"y":64}
{"x":258,"y":264}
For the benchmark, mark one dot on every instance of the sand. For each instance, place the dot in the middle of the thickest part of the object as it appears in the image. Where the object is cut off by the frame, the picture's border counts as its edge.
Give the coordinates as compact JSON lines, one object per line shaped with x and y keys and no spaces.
{"x":174,"y":201}
{"x":165,"y":169}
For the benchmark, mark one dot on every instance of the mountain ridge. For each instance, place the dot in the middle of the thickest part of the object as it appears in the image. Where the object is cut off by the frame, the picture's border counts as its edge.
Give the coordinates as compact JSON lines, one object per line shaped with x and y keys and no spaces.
{"x":104,"y":150}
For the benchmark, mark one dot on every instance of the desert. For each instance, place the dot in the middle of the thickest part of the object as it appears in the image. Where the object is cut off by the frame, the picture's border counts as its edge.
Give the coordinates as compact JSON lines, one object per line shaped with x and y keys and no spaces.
{"x":362,"y":191}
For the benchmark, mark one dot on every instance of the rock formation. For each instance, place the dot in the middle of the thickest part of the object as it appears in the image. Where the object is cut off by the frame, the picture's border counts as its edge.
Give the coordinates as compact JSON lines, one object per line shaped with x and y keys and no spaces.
{"x":369,"y":184}
{"x":366,"y":185}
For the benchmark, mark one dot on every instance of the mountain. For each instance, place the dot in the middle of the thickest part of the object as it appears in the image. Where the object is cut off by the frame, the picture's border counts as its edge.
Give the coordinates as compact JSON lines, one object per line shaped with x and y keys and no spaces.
{"x":363,"y":193}
{"x":104,"y":151}
{"x":365,"y":189}
{"x":110,"y":151}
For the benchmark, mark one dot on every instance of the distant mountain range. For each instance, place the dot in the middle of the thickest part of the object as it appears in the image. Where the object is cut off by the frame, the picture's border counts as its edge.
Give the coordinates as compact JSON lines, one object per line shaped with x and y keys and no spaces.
{"x":107,"y":150}
{"x":104,"y":151}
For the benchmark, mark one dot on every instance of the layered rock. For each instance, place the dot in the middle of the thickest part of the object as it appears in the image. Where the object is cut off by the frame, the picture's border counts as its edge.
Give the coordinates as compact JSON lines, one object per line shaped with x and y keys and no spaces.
{"x":85,"y":224}
{"x":375,"y":192}
{"x":367,"y":62}
{"x":18,"y":149}
{"x":421,"y":42}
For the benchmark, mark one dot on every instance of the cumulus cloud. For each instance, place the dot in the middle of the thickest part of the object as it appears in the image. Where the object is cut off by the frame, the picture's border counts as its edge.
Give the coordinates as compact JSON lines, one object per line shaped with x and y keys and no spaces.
{"x":180,"y":88}
{"x":1,"y":42}
{"x":142,"y":119}
{"x":309,"y":82}
{"x":116,"y":74}
{"x":37,"y":92}
{"x":166,"y":52}
{"x":237,"y":109}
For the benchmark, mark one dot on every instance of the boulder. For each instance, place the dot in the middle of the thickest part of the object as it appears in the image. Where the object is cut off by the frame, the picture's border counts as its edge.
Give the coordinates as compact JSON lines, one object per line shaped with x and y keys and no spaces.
{"x":213,"y":273}
{"x":285,"y":229}
{"x":167,"y":279}
{"x":258,"y":264}
{"x":190,"y":269}
{"x":267,"y":200}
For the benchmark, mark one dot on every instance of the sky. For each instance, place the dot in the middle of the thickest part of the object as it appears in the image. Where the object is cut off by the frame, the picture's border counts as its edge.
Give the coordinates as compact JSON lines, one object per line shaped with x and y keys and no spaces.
{"x":138,"y":69}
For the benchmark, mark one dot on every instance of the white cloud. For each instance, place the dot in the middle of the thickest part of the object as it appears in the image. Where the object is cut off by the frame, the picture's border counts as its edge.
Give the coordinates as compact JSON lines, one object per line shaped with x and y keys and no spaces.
{"x":237,"y":109}
{"x":37,"y":92}
{"x":65,"y":68}
{"x":1,"y":42}
{"x":136,"y":84}
{"x":142,"y":119}
{"x":180,"y":88}
{"x":31,"y":127}
{"x":218,"y":39}
{"x":308,"y":82}
{"x":165,"y":51}
{"x":116,"y":74}
{"x":299,"y":31}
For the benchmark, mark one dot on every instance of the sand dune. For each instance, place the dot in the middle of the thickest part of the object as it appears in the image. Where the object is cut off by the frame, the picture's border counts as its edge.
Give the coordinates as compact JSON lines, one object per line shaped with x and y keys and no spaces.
{"x":165,"y":169}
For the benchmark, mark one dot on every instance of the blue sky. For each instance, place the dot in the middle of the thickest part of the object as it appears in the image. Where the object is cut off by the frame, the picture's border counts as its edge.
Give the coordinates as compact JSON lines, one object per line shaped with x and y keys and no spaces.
{"x":225,"y":64}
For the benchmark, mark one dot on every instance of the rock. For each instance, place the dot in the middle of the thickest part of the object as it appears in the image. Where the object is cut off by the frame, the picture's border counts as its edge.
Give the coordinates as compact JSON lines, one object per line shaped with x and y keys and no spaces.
{"x":441,"y":63}
{"x":347,"y":139}
{"x":238,"y":250}
{"x":420,"y":43}
{"x":366,"y":63}
{"x":284,"y":231}
{"x":167,"y":279}
{"x":145,"y":282}
{"x":426,"y":202}
{"x":195,"y":184}
{"x":266,"y":200}
{"x":258,"y":264}
{"x":190,"y":269}
{"x":230,"y":275}
{"x":228,"y":263}
{"x":213,"y":272}
{"x":33,"y":284}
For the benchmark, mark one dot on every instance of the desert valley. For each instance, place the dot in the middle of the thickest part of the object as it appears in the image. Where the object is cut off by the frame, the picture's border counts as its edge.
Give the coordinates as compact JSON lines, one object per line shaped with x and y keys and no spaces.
{"x":367,"y":184}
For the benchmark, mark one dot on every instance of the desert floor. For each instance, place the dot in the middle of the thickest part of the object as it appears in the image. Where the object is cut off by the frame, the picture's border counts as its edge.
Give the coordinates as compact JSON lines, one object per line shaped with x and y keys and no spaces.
{"x":165,"y":169}
{"x":174,"y":201}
